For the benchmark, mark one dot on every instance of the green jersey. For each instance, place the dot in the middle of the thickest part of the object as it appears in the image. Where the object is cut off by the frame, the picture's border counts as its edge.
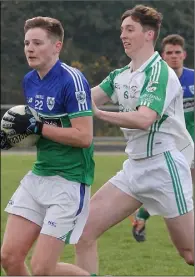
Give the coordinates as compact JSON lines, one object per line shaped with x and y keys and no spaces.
{"x":63,"y":94}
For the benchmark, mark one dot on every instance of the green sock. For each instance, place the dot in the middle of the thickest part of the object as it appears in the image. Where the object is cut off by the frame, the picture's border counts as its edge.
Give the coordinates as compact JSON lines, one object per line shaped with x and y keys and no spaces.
{"x":93,"y":274}
{"x":142,"y":214}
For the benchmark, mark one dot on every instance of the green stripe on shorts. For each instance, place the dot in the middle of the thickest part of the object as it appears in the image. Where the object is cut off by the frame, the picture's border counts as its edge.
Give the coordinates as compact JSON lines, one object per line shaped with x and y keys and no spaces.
{"x":66,"y":238}
{"x":179,"y":196}
{"x":67,"y":241}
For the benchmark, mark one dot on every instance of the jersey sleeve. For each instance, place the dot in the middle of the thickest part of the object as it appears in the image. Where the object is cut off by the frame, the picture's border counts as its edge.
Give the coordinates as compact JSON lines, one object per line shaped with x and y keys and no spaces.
{"x":153,"y":93}
{"x":107,"y":85}
{"x":77,"y":99}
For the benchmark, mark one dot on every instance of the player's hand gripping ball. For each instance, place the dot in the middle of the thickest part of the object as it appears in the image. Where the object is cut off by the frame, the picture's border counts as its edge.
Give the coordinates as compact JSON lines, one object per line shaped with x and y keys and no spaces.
{"x":22,"y":127}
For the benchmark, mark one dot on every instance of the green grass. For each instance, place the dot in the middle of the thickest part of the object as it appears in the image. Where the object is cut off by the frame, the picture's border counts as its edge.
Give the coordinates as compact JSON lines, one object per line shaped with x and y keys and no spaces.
{"x":119,"y":253}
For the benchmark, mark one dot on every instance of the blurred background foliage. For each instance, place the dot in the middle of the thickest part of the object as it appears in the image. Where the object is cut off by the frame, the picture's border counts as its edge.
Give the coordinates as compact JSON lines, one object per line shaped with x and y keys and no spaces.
{"x":92,"y":30}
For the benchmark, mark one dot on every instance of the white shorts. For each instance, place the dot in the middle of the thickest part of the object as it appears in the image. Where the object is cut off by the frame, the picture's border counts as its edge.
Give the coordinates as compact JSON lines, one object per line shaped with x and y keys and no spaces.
{"x":162,"y":183}
{"x":59,"y":206}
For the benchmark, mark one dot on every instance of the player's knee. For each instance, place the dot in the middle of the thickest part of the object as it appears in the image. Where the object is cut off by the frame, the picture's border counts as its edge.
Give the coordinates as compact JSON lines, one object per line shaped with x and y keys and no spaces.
{"x":84,"y":242}
{"x":88,"y":236}
{"x":11,"y":259}
{"x":39,"y":269}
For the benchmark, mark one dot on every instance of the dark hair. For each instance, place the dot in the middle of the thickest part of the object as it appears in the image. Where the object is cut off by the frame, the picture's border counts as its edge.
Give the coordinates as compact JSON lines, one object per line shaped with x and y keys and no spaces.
{"x":148,"y":17}
{"x":173,"y":39}
{"x":51,"y":25}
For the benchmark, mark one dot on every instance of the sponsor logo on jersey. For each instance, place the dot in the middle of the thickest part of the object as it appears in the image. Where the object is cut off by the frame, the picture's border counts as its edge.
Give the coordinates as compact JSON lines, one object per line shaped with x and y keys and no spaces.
{"x":81,"y":97}
{"x":188,"y":104}
{"x":148,"y":99}
{"x":39,"y":96}
{"x":50,"y":102}
{"x":52,"y":121}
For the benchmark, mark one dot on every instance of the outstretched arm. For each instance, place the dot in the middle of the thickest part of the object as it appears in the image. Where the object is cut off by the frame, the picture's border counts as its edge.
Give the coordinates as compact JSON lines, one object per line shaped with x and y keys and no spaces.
{"x":99,"y":96}
{"x":143,"y":118}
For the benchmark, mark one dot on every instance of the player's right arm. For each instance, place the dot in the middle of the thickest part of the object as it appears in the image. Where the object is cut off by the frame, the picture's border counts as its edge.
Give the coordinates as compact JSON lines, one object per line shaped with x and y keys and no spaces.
{"x":105,"y":92}
{"x":5,"y":145}
{"x":99,"y":96}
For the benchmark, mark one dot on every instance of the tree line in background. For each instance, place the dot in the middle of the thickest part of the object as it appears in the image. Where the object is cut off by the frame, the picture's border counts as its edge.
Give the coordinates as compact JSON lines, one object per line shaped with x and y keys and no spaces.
{"x":92,"y":30}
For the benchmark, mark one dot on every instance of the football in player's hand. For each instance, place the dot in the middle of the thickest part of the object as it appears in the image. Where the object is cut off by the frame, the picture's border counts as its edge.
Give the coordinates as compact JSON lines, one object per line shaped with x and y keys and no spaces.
{"x":24,"y":140}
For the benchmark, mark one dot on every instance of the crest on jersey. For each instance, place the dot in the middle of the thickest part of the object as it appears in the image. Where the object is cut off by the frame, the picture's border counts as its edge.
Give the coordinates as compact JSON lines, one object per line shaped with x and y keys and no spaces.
{"x":50,"y":102}
{"x":191,"y":88}
{"x":81,"y":97}
{"x":152,"y":86}
{"x":134,"y":92}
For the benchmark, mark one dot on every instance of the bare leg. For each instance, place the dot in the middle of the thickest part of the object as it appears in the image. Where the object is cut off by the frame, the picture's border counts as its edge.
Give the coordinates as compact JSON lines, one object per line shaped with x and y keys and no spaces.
{"x":108,"y":206}
{"x":46,"y":255}
{"x":63,"y":269}
{"x":19,"y":237}
{"x":181,"y":230}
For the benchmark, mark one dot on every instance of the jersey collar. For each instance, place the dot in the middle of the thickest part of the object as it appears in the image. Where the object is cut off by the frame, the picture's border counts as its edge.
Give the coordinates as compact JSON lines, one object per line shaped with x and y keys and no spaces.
{"x":53,"y":71}
{"x":149,"y":63}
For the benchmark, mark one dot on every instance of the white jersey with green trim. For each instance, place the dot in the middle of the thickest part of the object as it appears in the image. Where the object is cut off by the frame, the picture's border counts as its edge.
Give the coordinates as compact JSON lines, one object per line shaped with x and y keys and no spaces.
{"x":156,"y":86}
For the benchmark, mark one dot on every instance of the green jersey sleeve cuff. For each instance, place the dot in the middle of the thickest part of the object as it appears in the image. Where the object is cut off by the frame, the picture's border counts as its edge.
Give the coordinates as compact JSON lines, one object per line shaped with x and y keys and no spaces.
{"x":108,"y":91}
{"x":80,"y":114}
{"x":153,"y":107}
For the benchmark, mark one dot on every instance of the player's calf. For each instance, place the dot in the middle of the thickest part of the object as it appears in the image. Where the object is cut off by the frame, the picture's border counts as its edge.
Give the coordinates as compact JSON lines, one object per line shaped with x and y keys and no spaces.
{"x":181,"y":230}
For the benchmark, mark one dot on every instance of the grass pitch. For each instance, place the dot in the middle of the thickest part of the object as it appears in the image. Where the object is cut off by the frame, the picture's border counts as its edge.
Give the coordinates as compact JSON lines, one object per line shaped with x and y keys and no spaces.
{"x":119,"y":253}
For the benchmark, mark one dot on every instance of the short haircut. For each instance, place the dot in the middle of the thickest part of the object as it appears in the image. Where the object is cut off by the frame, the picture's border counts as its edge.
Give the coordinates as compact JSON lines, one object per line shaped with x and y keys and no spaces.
{"x":51,"y":25}
{"x":173,"y":39}
{"x":148,"y":17}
